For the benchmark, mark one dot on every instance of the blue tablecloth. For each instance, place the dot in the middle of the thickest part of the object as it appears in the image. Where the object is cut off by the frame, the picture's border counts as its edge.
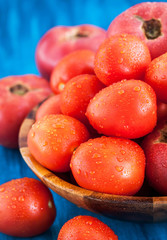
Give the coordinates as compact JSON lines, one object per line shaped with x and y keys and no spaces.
{"x":22,"y":23}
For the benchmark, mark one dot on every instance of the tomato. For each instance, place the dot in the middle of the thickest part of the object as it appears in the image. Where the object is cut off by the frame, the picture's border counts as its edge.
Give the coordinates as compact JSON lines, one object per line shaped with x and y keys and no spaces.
{"x":18,"y":95}
{"x":147,"y":20}
{"x":77,"y":94}
{"x":53,"y":138}
{"x":121,"y":56}
{"x":86,"y":227}
{"x":49,"y":106}
{"x":156,"y":76}
{"x":155,"y":148}
{"x":161,"y":111}
{"x":26,"y":208}
{"x":73,"y":64}
{"x":62,"y":40}
{"x":109,"y":165}
{"x":125,"y":109}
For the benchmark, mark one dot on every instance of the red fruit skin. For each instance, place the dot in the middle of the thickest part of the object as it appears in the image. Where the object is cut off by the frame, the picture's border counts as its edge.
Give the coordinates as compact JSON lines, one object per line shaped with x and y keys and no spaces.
{"x":61,"y":40}
{"x":131,"y":22}
{"x":155,"y":148}
{"x":86,"y":227}
{"x":49,"y":106}
{"x":161,"y":111}
{"x":26,"y":208}
{"x":156,"y":76}
{"x":53,"y":138}
{"x":77,"y":94}
{"x":124,"y":109}
{"x":15,"y":104}
{"x":121,"y":56}
{"x":72,"y":65}
{"x":109,"y":165}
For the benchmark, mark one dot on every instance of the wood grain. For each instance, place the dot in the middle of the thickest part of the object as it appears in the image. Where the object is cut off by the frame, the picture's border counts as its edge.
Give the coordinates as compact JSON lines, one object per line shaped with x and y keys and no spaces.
{"x":129,"y":208}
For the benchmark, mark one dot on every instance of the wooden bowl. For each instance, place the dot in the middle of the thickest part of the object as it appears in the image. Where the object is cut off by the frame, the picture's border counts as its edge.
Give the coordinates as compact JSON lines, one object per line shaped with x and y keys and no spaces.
{"x":150,"y":208}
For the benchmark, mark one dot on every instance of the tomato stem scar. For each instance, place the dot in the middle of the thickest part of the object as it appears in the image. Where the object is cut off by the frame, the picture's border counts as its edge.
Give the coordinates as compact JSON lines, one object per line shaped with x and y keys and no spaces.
{"x":18,"y":89}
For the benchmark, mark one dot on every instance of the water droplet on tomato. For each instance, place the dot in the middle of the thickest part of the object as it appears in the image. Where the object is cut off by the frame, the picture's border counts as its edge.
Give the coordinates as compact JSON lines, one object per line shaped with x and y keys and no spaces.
{"x":45,"y":143}
{"x":98,"y":162}
{"x":61,"y":86}
{"x":89,"y":222}
{"x":119,"y":159}
{"x":33,"y":134}
{"x":120,"y":60}
{"x":96,"y":155}
{"x":50,"y":204}
{"x":121,"y":91}
{"x":119,"y":168}
{"x":137,"y":88}
{"x":2,"y":189}
{"x":21,"y":199}
{"x":123,"y":152}
{"x":164,"y":164}
{"x":22,"y":190}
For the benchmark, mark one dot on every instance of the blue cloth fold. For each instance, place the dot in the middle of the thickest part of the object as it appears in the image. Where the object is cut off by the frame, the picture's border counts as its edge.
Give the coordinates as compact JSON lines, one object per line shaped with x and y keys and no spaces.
{"x":22,"y":23}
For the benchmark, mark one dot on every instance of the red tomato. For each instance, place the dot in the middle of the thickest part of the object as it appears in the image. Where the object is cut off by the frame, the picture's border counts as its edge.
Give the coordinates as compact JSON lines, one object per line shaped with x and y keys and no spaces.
{"x":161,"y":111}
{"x":156,"y":76}
{"x":73,"y":64}
{"x":147,"y":20}
{"x":109,"y":165}
{"x":120,"y":57}
{"x":77,"y":94}
{"x":53,"y":138}
{"x":86,"y":227}
{"x":18,"y":95}
{"x":26,"y":208}
{"x":124,"y":109}
{"x":155,"y":148}
{"x":49,"y":106}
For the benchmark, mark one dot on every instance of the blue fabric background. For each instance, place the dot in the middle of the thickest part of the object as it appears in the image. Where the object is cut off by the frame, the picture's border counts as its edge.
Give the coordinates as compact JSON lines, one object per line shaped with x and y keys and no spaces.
{"x":22,"y":23}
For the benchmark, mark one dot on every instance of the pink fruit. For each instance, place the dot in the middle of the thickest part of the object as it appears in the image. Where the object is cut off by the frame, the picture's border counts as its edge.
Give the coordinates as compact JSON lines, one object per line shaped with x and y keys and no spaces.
{"x":18,"y":95}
{"x":155,"y":148}
{"x":61,"y":40}
{"x":146,"y":20}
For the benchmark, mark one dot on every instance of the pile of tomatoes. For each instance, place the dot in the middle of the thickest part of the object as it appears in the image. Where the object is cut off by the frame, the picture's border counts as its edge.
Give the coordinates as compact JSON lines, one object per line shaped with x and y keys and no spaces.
{"x":93,"y":123}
